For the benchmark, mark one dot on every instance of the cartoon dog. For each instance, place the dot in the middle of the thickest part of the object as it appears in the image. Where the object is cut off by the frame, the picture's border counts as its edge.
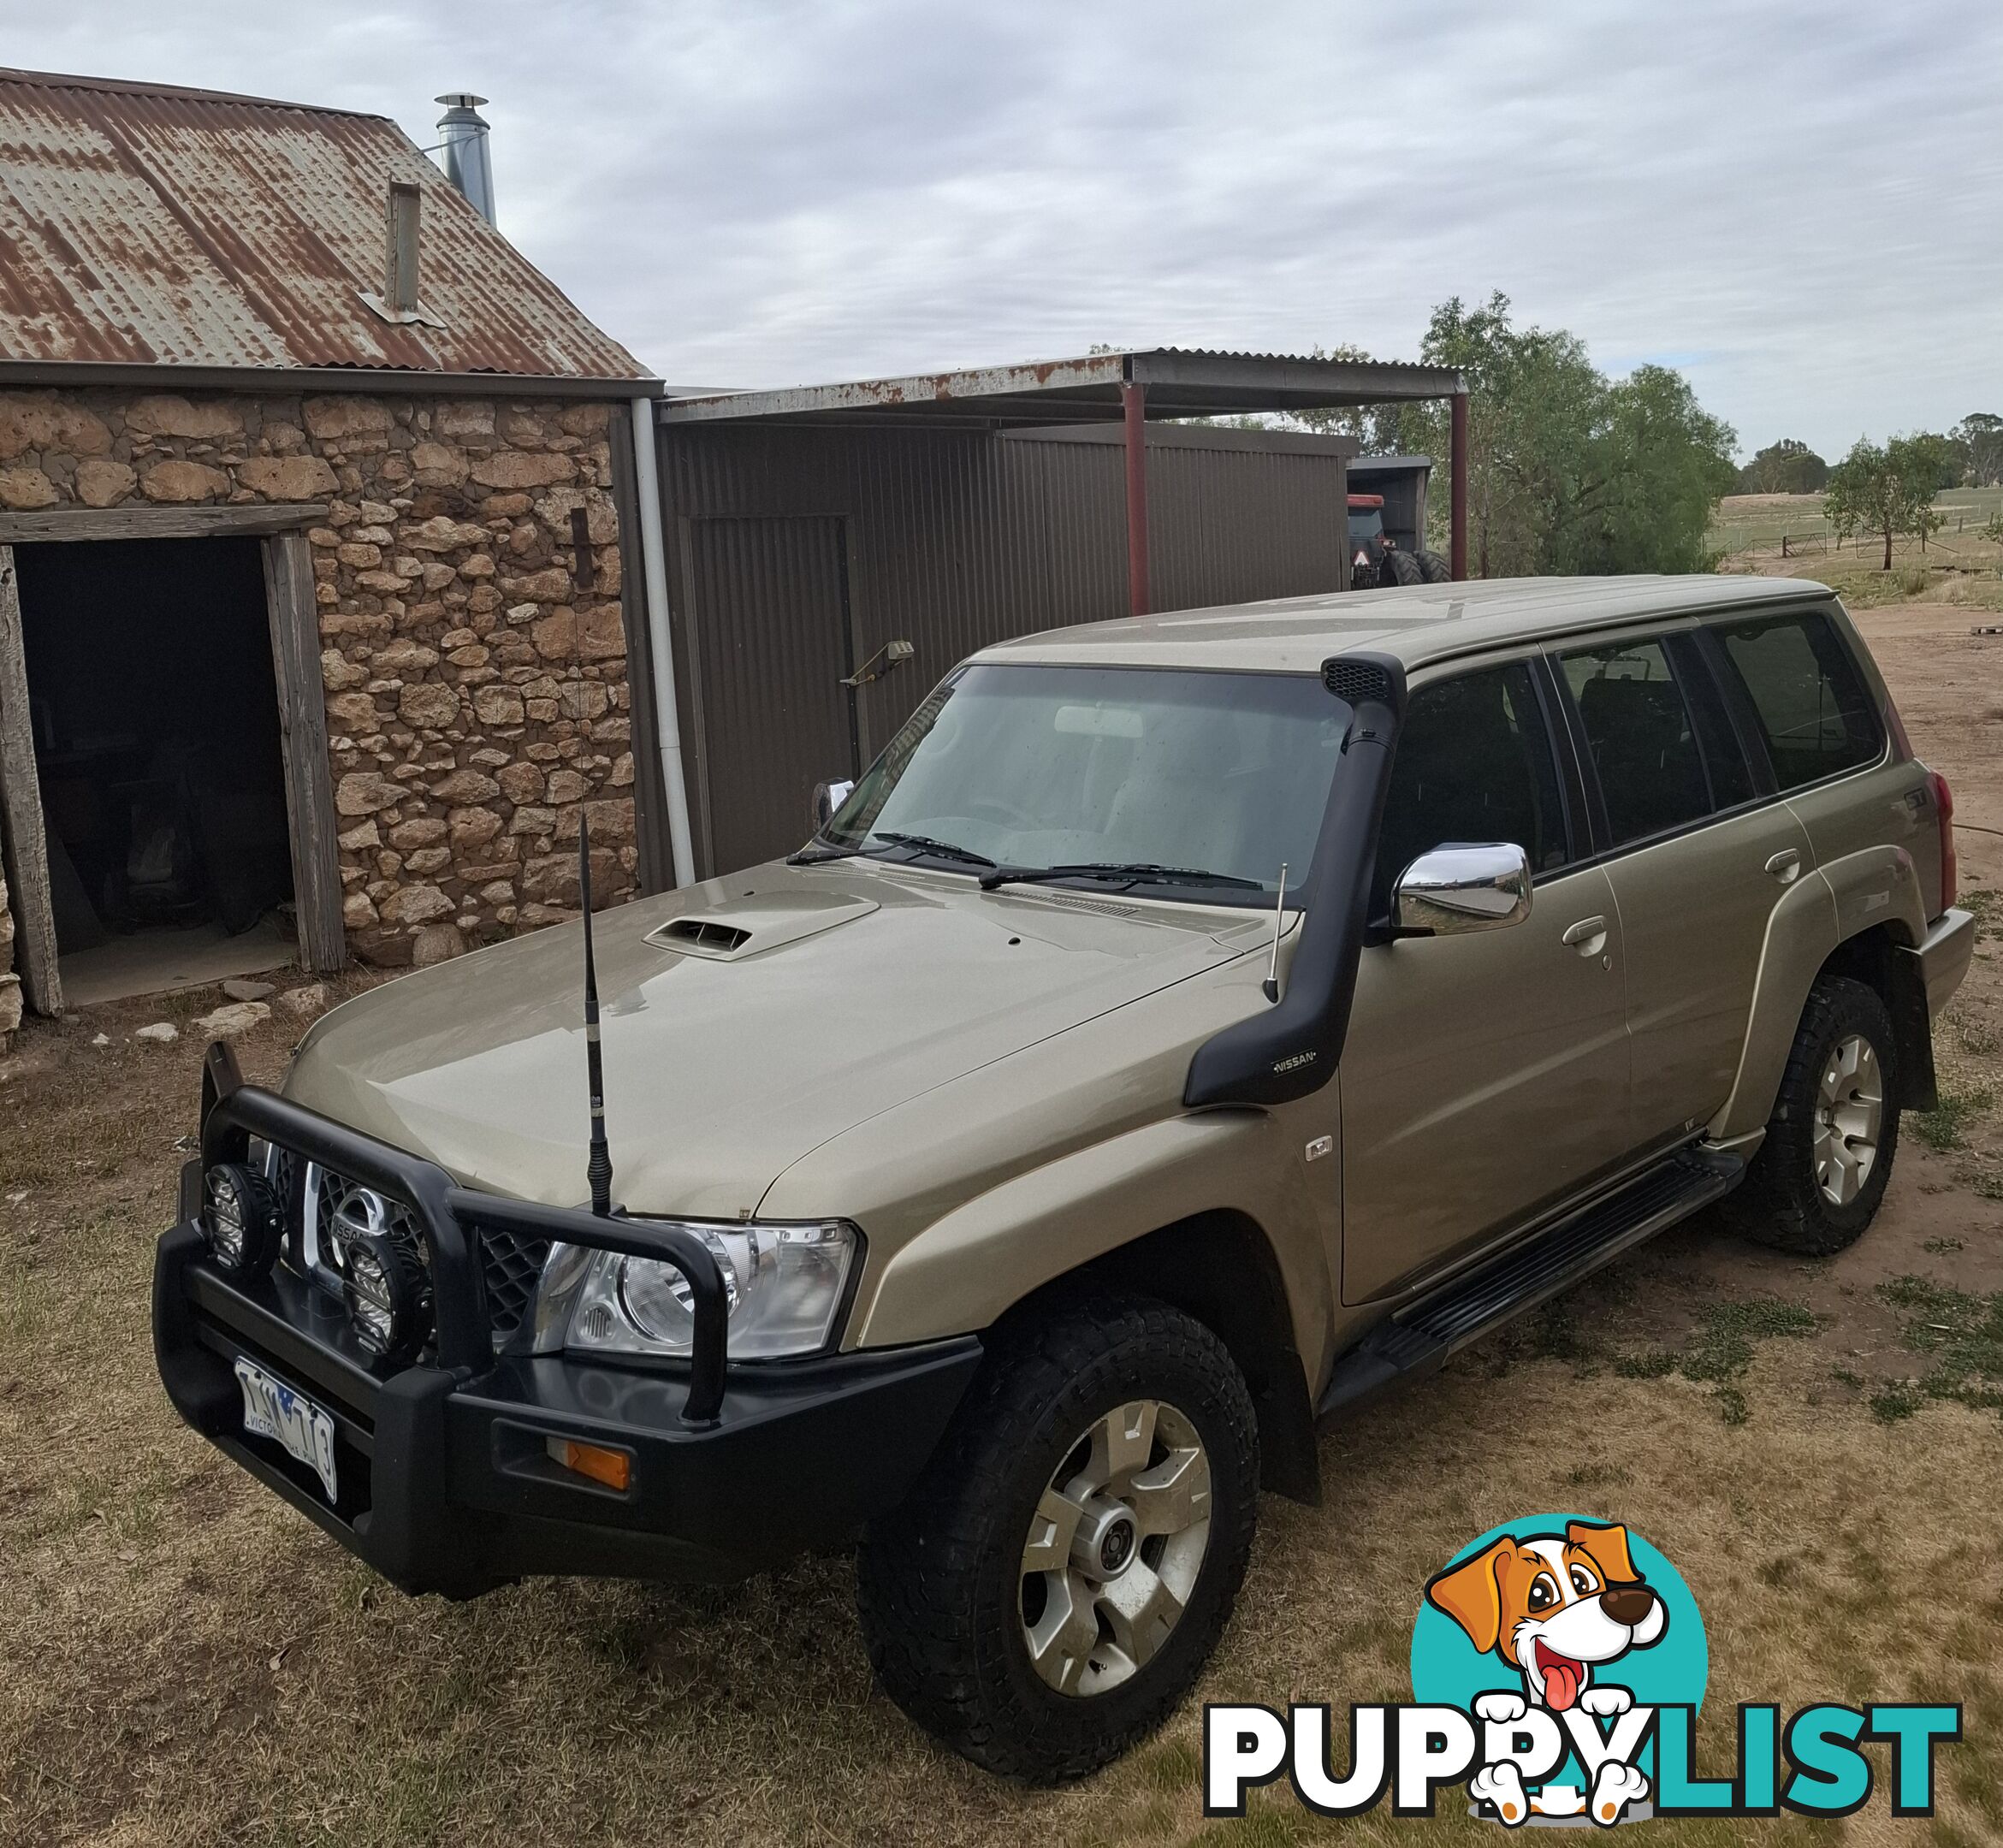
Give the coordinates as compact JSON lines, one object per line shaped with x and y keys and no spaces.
{"x":1555,"y":1608}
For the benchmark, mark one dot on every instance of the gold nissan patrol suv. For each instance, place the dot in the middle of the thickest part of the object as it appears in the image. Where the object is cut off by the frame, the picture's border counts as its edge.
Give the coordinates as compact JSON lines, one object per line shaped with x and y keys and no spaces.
{"x":1187,"y":1028}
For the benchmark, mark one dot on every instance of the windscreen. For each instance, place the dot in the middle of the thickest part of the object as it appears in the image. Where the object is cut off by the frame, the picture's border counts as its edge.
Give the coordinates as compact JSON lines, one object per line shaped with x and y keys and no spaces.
{"x":1038,"y":766}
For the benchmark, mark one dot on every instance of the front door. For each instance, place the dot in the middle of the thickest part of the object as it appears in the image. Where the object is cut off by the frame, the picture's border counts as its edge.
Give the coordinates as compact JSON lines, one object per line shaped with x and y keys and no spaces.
{"x":1484,"y":1076}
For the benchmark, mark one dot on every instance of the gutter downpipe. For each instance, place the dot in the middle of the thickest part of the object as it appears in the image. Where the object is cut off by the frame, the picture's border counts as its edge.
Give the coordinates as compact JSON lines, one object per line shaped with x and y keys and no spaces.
{"x":661,"y":640}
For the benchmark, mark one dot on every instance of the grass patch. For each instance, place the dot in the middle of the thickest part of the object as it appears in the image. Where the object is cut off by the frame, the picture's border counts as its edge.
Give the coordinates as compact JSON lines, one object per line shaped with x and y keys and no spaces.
{"x":1721,"y":1349}
{"x":1961,"y":1334}
{"x":1946,"y":1126}
{"x":1889,"y":1404}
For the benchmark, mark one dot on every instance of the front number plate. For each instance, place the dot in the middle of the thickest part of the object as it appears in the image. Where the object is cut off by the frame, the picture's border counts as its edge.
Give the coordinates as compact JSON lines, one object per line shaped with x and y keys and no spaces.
{"x":272,"y":1409}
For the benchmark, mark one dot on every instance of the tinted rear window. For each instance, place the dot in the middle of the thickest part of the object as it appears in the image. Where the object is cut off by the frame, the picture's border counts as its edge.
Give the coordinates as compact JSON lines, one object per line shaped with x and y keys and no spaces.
{"x":1638,"y":731}
{"x":1813,"y":711}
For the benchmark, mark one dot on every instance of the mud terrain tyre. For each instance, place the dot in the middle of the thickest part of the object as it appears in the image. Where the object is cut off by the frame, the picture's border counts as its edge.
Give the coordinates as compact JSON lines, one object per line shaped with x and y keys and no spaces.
{"x":1045,"y":1675}
{"x":1434,"y":568}
{"x":1400,"y":567}
{"x":1815,"y":1184}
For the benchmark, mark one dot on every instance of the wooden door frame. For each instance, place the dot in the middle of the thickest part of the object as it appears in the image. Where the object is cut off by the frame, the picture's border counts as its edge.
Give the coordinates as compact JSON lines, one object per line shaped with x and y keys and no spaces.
{"x":293,"y":614}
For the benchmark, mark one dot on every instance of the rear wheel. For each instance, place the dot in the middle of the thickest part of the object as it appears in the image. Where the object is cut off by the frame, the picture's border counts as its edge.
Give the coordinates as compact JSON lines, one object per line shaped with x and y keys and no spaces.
{"x":1400,"y":567}
{"x":1055,"y":1582}
{"x":1815,"y":1184}
{"x":1434,"y":568}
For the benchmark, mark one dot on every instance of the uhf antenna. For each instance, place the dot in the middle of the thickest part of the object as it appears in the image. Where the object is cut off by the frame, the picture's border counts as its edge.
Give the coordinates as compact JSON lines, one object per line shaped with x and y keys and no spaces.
{"x":598,"y":1169}
{"x":1271,"y":984}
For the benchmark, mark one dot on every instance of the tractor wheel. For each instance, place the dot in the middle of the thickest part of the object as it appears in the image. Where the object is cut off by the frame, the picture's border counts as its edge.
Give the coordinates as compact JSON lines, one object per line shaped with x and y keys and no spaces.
{"x":1434,"y":568}
{"x":1400,"y":567}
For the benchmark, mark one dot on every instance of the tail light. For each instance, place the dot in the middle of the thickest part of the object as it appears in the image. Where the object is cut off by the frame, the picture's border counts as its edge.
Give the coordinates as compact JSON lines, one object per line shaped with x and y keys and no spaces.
{"x":1944,"y":808}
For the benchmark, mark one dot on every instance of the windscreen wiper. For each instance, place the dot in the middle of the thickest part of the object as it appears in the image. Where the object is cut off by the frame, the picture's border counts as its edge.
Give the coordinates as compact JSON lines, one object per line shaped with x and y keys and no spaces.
{"x":818,"y":849}
{"x":1133,"y":873}
{"x":939,"y":849}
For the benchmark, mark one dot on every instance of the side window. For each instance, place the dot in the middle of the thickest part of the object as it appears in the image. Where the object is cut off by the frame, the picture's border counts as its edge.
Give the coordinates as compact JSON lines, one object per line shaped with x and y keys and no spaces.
{"x":1639,"y":735}
{"x":1474,"y":764}
{"x":1813,"y":709}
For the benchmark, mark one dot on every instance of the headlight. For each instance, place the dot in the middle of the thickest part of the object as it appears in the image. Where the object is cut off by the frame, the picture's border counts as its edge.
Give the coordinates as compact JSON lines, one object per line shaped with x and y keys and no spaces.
{"x":784,"y":1283}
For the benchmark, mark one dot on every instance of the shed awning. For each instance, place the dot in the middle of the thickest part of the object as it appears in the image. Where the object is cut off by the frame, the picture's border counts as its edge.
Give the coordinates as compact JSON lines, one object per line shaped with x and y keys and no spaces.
{"x":1180,"y":382}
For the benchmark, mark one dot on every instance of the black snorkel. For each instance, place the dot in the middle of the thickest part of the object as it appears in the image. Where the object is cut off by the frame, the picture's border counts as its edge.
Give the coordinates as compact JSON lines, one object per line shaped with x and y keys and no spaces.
{"x":1291,"y":1047}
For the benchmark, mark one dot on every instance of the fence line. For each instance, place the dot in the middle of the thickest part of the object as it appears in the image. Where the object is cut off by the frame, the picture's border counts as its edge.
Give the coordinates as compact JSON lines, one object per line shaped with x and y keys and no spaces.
{"x":1947,"y":547}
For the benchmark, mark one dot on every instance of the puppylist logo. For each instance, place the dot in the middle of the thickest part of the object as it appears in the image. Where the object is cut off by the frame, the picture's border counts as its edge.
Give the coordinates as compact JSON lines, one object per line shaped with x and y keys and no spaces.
{"x":1558,"y":1664}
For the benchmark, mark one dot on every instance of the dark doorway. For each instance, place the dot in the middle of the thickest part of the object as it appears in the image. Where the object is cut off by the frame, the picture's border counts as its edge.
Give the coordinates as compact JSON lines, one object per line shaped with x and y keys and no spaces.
{"x":772,"y":649}
{"x":157,"y":744}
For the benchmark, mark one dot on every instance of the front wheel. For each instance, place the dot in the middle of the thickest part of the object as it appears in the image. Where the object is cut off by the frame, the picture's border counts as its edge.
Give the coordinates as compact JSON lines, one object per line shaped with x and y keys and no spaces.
{"x":1815,"y":1184}
{"x":1054,"y":1584}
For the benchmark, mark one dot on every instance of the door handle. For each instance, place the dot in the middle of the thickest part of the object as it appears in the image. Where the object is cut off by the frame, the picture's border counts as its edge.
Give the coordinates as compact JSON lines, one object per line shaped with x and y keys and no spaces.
{"x":1588,"y":936}
{"x":1786,"y":866}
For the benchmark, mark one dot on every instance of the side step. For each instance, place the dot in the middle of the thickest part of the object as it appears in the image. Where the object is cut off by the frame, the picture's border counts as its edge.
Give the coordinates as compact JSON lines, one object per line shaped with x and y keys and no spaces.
{"x":1420,"y":1336}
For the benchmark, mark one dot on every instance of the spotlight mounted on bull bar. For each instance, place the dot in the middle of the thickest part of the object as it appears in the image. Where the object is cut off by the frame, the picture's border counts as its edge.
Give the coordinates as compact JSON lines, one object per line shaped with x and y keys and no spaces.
{"x":448,"y":1217}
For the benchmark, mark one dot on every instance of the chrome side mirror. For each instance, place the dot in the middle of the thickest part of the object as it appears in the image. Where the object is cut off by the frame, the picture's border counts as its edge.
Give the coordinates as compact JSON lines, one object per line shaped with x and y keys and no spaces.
{"x":1453,"y":890}
{"x":828,"y":797}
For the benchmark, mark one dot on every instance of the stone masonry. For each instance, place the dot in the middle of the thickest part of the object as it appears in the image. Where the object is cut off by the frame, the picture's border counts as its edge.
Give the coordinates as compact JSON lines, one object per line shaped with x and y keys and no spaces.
{"x":474,"y":664}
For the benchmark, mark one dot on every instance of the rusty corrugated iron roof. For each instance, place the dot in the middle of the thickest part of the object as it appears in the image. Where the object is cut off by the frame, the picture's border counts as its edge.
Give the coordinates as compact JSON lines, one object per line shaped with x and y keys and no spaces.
{"x":1181,"y":382}
{"x":142,"y":225}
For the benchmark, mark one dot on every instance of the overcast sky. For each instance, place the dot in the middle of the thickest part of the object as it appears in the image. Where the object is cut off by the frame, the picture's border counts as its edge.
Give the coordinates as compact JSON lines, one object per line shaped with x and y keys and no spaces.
{"x":1800,"y":205}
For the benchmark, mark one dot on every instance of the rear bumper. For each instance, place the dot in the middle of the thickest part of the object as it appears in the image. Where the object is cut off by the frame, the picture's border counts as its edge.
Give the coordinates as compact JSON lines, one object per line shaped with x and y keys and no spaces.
{"x":1944,"y":956}
{"x":444,"y":1482}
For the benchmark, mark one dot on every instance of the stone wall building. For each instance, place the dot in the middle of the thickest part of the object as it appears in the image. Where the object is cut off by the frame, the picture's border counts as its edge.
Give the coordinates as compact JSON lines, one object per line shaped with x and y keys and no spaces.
{"x":204,"y":338}
{"x":472,"y":655}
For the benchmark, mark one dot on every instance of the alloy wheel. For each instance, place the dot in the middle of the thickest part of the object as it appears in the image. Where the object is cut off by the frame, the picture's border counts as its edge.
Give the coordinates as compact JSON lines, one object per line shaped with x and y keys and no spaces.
{"x":1114,"y":1548}
{"x":1850,"y":1114}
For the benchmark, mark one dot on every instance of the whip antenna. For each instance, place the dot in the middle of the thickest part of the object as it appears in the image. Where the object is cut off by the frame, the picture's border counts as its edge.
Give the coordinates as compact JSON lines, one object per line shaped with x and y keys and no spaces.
{"x":1271,"y":984}
{"x":598,"y":1169}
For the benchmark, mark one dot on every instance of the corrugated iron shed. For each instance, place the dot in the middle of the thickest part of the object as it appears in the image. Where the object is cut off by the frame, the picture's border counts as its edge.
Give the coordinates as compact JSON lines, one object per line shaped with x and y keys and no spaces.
{"x":1180,"y":382}
{"x":143,"y":226}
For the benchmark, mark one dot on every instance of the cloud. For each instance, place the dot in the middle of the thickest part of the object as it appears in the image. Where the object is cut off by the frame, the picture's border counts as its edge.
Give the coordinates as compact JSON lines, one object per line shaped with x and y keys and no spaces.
{"x":1796,"y":203}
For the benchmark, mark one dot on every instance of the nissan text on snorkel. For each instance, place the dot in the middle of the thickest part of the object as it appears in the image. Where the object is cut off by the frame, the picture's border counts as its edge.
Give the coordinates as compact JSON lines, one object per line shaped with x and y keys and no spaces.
{"x":1188,"y":1026}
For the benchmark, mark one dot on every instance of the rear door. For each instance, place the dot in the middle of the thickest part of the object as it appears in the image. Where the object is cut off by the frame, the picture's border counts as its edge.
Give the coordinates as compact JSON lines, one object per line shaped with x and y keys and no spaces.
{"x":1484,"y":1076}
{"x":1699,"y":850}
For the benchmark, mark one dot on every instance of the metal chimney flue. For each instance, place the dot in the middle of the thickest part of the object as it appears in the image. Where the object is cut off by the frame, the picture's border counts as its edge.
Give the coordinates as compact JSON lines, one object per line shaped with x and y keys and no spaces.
{"x":464,"y":132}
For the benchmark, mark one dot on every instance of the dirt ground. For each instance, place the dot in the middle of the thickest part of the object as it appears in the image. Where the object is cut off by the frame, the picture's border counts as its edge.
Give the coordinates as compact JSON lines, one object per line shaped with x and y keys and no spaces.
{"x":1818,"y":1445}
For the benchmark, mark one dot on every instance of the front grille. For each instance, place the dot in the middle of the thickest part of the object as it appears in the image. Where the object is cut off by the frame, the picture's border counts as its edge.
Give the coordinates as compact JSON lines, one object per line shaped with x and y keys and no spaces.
{"x":340,"y":1210}
{"x":512,"y":1265}
{"x":335,"y":1209}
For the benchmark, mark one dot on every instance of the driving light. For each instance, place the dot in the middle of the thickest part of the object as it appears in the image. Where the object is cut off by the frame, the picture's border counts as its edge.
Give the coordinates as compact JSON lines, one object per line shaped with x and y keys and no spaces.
{"x":242,"y":1220}
{"x":384,"y":1295}
{"x":783,"y":1283}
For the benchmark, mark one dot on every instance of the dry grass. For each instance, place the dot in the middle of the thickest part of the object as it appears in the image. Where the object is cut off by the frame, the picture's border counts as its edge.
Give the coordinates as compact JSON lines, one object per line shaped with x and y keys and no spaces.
{"x":1961,"y":566}
{"x":183,"y":1660}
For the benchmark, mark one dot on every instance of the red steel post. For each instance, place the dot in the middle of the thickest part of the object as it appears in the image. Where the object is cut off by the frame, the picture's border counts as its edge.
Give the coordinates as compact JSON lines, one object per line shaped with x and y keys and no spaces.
{"x":1134,"y":409}
{"x":1457,"y":507}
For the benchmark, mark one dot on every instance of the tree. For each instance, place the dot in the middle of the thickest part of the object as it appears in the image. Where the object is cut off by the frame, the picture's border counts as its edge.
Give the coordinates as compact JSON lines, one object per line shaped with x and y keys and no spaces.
{"x":1887,"y":490}
{"x":1666,"y":462}
{"x":1788,"y":466}
{"x":1980,"y":434}
{"x":1376,"y":427}
{"x":1568,"y":473}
